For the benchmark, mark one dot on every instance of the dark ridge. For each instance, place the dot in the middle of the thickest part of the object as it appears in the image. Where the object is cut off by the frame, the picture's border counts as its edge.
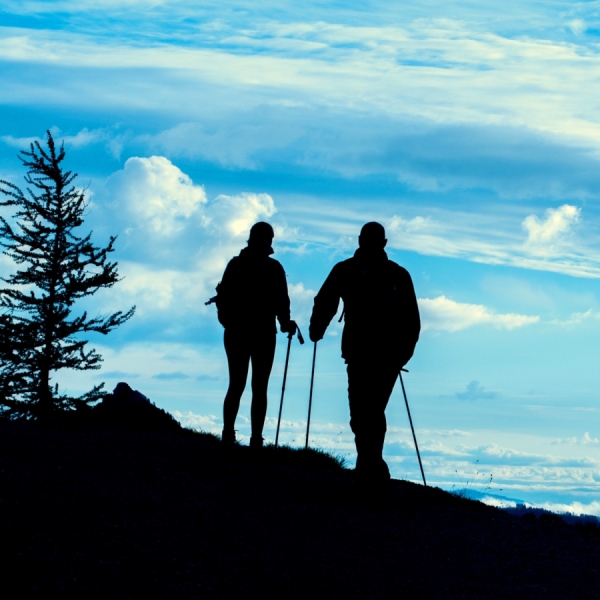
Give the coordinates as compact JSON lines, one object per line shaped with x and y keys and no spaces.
{"x":125,"y":408}
{"x":107,"y":512}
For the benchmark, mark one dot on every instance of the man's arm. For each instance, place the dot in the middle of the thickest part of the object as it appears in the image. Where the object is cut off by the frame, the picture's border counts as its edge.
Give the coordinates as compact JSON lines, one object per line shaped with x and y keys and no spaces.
{"x":410,"y":317}
{"x":326,"y":304}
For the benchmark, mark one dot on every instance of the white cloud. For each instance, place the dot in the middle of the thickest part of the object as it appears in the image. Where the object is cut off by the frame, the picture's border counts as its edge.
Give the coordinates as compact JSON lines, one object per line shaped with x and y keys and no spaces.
{"x":82,"y":138}
{"x":577,"y":318}
{"x":399,"y":224}
{"x":573,"y":508}
{"x":22,"y":143}
{"x":444,"y":314}
{"x":234,"y":215}
{"x":206,"y":423}
{"x":585,"y":440}
{"x":157,"y":192}
{"x":302,"y":301}
{"x":543,"y":235}
{"x":151,"y":289}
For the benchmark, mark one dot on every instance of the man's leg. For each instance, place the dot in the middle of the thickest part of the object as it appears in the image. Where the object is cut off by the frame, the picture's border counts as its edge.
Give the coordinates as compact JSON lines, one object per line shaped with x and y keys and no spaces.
{"x":370,"y":384}
{"x":263,"y":353}
{"x":238,"y":361}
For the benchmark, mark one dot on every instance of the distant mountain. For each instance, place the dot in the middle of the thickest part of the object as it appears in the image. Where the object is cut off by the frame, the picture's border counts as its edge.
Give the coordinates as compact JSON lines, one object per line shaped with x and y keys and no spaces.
{"x":90,"y":510}
{"x":519,"y":508}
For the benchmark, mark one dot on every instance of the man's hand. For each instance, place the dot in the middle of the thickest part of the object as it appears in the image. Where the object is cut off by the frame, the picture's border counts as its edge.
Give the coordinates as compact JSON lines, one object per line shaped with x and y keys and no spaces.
{"x":290,"y":327}
{"x":315,"y":334}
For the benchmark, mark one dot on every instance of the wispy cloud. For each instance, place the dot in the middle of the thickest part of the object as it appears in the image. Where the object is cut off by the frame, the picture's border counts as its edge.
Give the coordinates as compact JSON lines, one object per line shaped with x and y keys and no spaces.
{"x":585,"y":440}
{"x":444,"y":314}
{"x":81,"y":139}
{"x":382,"y":69}
{"x":118,"y":375}
{"x":577,"y":318}
{"x":549,"y":245}
{"x":171,"y":376}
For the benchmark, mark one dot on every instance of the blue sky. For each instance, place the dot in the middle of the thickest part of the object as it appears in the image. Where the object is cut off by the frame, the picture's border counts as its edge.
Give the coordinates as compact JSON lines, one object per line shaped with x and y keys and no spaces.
{"x":471,"y":134}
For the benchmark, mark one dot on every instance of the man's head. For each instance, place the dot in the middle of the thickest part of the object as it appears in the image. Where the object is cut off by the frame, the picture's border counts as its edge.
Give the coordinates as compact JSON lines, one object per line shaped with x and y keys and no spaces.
{"x":261,"y":235}
{"x":372,"y":236}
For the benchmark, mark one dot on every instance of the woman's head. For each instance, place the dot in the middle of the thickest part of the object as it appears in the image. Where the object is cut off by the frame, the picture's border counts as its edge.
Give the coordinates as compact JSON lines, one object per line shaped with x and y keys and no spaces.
{"x":261,"y":235}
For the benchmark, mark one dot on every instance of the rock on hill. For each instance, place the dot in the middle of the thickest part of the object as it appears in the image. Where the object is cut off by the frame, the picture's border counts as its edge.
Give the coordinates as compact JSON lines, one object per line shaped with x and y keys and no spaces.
{"x":116,"y":513}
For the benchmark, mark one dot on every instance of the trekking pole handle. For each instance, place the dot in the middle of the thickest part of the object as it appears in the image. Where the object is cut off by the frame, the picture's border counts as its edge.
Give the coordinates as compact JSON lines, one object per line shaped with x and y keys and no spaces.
{"x":300,"y":338}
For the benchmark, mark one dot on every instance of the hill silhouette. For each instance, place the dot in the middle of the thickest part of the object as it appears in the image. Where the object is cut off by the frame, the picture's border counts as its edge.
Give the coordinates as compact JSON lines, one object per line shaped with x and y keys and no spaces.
{"x":91,"y":510}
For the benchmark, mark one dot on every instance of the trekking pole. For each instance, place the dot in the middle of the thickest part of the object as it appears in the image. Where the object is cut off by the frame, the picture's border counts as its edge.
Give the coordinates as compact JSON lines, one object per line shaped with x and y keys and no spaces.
{"x":287,"y":360}
{"x":411,"y":426}
{"x":312,"y":381}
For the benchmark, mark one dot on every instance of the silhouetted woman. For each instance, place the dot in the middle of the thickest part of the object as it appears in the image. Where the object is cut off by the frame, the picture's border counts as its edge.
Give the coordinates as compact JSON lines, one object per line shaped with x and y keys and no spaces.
{"x":252,"y":293}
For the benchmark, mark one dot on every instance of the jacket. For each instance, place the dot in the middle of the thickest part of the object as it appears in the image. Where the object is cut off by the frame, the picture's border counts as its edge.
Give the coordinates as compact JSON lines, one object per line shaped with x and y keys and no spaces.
{"x":252,"y":293}
{"x":380,"y":308}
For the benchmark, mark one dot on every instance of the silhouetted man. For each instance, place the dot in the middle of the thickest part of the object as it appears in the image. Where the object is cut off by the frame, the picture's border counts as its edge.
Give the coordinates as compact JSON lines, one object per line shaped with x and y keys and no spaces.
{"x":252,"y":293}
{"x":381,"y":330}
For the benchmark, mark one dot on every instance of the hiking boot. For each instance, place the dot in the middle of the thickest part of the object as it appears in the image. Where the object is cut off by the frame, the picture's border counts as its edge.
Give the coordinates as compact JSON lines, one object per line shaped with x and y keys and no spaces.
{"x":256,"y":442}
{"x":228,"y":438}
{"x":372,"y":482}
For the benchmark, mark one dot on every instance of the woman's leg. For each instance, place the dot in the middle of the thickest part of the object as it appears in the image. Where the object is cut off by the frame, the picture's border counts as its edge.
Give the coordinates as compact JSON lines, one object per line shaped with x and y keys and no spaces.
{"x":238,"y":360}
{"x":263,"y":353}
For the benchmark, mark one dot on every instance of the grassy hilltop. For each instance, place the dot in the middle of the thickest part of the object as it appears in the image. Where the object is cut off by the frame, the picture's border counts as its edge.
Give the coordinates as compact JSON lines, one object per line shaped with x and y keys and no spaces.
{"x":99,"y":511}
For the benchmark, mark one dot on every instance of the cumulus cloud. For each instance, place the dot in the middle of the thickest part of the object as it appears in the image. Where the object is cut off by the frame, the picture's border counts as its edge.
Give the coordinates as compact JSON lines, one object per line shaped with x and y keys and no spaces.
{"x":234,"y":215}
{"x":158,"y":192}
{"x":543,"y":235}
{"x":443,"y":314}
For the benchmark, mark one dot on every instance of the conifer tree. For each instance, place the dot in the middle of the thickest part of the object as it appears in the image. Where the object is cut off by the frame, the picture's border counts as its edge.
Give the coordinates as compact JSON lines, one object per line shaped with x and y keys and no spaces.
{"x":39,"y":332}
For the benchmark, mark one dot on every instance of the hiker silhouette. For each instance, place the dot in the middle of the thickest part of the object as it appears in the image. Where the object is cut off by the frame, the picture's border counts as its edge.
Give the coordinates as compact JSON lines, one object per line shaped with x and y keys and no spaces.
{"x":252,"y":293}
{"x":381,"y":329}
